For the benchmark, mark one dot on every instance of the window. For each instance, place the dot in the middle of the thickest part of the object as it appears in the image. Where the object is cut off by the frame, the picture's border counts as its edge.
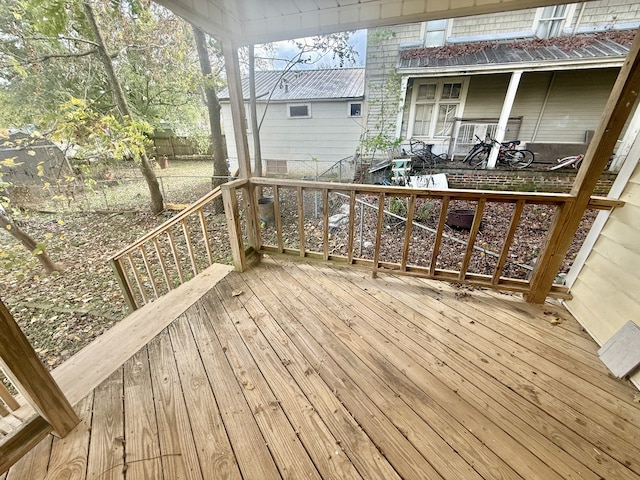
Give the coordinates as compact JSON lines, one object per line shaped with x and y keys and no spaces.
{"x":299,"y":111}
{"x":355,"y":109}
{"x":434,"y":106}
{"x":278,"y":167}
{"x":550,"y":21}
{"x":434,"y":33}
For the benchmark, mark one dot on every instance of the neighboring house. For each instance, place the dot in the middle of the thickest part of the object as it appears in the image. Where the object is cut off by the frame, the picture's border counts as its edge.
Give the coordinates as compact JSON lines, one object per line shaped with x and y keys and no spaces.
{"x":313,"y":119}
{"x":548,"y":70}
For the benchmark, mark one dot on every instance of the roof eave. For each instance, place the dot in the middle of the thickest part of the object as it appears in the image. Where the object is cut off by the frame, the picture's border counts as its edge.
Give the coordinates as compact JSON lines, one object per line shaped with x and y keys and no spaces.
{"x":552,"y":65}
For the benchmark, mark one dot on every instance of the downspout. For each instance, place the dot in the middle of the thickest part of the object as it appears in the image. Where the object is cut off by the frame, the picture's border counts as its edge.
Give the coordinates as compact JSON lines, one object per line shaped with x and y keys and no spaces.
{"x":544,"y":106}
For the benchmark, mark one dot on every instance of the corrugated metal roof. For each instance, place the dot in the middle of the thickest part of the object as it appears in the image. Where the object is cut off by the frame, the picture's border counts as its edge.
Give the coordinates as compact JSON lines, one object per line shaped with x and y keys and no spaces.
{"x":569,"y":48}
{"x":296,"y":85}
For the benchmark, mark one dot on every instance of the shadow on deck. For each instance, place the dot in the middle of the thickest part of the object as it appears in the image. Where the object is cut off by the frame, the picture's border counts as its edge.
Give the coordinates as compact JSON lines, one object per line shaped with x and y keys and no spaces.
{"x":293,"y":370}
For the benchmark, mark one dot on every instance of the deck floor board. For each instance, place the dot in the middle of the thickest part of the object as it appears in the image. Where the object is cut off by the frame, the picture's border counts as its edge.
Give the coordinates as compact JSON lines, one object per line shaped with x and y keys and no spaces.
{"x":305,"y":371}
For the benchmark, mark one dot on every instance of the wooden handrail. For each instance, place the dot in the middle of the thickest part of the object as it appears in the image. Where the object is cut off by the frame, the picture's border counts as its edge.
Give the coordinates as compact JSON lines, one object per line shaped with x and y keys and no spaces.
{"x":376,"y":264}
{"x":169,"y":223}
{"x":150,"y":275}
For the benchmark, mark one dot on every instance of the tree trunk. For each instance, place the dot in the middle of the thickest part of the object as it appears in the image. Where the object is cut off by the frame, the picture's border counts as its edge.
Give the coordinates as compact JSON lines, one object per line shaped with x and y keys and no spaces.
{"x":157,"y":202}
{"x":220,"y":167}
{"x":28,"y":242}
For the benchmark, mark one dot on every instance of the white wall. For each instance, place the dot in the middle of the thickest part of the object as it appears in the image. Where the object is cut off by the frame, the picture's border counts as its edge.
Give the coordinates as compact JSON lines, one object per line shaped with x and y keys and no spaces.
{"x":605,"y":293}
{"x":307,"y":144}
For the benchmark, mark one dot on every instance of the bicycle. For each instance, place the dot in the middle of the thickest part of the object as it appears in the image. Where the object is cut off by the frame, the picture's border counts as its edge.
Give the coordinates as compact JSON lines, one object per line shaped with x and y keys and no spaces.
{"x":422,"y":156}
{"x":508,"y":154}
{"x":571,"y":161}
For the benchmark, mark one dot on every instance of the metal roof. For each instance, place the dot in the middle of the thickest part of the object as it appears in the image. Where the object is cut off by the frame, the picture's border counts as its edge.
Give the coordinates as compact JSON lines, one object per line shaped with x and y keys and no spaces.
{"x":572,"y":49}
{"x":296,"y":85}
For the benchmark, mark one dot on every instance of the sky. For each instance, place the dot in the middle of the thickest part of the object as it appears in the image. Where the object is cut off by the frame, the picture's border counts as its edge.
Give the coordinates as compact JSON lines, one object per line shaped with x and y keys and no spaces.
{"x":288,"y":50}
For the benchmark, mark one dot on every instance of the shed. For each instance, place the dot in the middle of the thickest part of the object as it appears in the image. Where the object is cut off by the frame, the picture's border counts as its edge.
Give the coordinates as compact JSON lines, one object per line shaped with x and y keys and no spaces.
{"x":28,"y":151}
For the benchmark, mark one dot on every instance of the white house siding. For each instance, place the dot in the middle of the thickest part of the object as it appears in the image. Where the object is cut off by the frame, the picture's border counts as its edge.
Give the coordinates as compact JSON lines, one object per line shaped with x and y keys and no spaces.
{"x":382,"y":58}
{"x":575,"y":104}
{"x":608,"y":13}
{"x":605,"y":294}
{"x":309,"y":145}
{"x":518,"y":21}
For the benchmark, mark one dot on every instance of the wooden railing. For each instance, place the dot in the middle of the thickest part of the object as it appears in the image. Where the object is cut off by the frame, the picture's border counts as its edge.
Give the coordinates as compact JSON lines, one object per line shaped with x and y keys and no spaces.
{"x":168,"y":256}
{"x":36,"y":405}
{"x":360,"y":225}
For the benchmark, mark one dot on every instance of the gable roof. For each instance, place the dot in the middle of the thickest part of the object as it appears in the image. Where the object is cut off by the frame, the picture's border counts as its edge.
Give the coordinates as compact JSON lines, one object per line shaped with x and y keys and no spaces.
{"x":588,"y":48}
{"x":296,"y":85}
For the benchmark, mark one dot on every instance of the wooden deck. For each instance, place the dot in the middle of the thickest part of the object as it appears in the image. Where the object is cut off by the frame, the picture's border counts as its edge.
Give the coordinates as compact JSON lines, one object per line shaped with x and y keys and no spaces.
{"x":299,"y":371}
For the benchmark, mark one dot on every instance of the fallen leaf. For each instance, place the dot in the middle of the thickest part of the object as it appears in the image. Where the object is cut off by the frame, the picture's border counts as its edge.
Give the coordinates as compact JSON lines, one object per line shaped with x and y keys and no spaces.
{"x":557,"y":321}
{"x":236,"y":293}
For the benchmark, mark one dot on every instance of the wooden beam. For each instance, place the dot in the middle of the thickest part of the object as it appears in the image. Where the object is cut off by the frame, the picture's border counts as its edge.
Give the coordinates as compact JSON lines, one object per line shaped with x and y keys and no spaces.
{"x":234,"y":82}
{"x":621,"y":102}
{"x":30,"y":377}
{"x":232,"y":213}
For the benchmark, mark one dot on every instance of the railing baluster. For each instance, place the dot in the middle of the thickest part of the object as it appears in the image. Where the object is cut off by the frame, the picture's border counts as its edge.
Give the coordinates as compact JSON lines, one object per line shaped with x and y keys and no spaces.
{"x":301,"y":221}
{"x":475,"y":226}
{"x":137,"y":278}
{"x":187,"y":239}
{"x":325,"y":222}
{"x":145,"y":260}
{"x":163,"y":265}
{"x":352,"y":224}
{"x":205,"y":235}
{"x":278,"y":214}
{"x":504,"y":252}
{"x":444,"y":207}
{"x":174,"y":252}
{"x":7,"y":398}
{"x":125,"y":284}
{"x":376,"y":253}
{"x":407,"y":233}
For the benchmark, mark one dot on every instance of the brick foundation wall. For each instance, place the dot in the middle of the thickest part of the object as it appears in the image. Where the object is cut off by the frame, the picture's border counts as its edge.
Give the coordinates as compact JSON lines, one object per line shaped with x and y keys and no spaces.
{"x":528,"y":180}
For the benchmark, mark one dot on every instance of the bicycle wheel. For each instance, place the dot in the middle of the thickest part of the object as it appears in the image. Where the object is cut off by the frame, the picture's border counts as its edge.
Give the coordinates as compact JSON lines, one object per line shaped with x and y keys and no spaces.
{"x":479,"y":158}
{"x":518,"y":158}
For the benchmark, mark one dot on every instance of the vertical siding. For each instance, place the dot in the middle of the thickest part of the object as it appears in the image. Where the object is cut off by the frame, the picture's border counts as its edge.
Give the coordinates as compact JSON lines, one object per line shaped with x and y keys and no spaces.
{"x":575,"y":104}
{"x":605,"y":294}
{"x":328,"y":136}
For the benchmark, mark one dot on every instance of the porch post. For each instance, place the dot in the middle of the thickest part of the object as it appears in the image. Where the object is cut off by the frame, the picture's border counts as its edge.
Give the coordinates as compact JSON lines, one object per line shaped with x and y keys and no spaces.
{"x":621,"y":102}
{"x":504,"y":116}
{"x":31,"y":378}
{"x":232,"y":66}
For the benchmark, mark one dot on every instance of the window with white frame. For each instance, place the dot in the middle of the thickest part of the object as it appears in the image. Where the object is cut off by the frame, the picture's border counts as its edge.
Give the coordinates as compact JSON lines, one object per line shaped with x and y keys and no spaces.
{"x":355,"y":109}
{"x":434,"y":33}
{"x":299,"y":110}
{"x":550,"y":21}
{"x":434,"y":105}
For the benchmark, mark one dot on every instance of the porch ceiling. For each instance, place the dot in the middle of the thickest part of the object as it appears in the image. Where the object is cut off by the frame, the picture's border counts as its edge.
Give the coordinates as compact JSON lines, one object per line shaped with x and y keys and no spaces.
{"x":261,"y":21}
